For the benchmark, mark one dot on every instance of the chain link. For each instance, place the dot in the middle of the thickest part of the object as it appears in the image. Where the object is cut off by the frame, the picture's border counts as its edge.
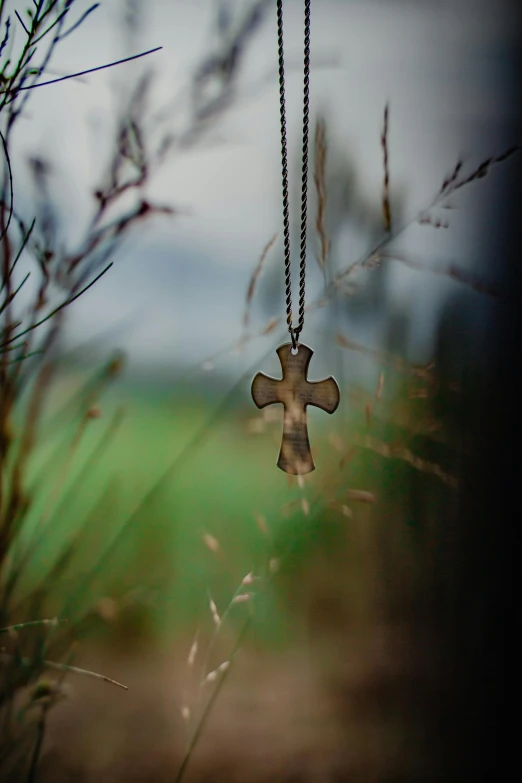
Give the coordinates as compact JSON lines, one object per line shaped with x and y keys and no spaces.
{"x":295,"y":331}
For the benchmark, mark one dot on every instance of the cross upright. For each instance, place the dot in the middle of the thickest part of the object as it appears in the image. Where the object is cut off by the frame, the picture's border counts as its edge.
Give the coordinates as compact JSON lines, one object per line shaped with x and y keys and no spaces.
{"x":295,"y":391}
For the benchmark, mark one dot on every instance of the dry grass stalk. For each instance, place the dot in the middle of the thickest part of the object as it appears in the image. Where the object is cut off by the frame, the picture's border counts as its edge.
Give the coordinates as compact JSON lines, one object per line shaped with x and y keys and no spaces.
{"x":213,"y":675}
{"x":452,"y":182}
{"x":397,"y":451}
{"x":193,"y":651}
{"x":347,"y":457}
{"x":320,"y":148}
{"x":342,"y":508}
{"x":211,"y":543}
{"x":386,"y":209}
{"x":89,"y":413}
{"x":273,"y":565}
{"x":256,"y":274}
{"x":448,"y":269}
{"x":261,"y":523}
{"x":361,"y":495}
{"x":21,"y":626}
{"x":336,"y":441}
{"x":214,"y":612}
{"x":271,"y":325}
{"x":380,"y":387}
{"x":242,"y":598}
{"x":286,"y":508}
{"x":449,"y":186}
{"x":61,"y":667}
{"x":383,"y":357}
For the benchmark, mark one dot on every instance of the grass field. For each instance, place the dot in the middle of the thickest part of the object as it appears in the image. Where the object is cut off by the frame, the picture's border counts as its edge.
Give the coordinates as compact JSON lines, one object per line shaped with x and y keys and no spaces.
{"x":136,"y":499}
{"x":159,"y":476}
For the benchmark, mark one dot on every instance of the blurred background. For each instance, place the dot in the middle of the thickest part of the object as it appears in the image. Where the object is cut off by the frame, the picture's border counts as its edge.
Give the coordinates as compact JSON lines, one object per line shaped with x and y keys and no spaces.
{"x":379,"y":644}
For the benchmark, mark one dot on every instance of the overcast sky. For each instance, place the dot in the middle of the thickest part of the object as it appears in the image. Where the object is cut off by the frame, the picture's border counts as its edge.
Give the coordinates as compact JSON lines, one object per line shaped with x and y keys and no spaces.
{"x":181,"y":282}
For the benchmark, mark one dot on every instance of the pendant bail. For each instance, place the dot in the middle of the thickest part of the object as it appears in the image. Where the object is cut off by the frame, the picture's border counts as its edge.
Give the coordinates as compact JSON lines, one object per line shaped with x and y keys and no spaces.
{"x":294,"y":334}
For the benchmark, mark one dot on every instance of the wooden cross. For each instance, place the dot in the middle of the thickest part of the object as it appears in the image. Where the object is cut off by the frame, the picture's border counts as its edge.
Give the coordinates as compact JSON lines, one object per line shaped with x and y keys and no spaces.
{"x":295,"y":392}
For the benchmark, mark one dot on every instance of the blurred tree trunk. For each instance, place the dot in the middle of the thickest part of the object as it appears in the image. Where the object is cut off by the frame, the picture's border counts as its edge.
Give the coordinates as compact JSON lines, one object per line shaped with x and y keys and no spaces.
{"x":478,"y":703}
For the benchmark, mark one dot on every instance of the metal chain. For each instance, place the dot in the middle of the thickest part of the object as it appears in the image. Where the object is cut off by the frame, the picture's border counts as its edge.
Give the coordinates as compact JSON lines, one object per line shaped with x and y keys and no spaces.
{"x":295,"y":331}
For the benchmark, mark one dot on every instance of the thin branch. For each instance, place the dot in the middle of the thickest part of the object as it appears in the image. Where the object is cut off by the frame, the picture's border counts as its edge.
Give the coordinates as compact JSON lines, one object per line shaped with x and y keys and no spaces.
{"x":20,"y":250}
{"x":89,"y":70}
{"x":59,"y":20}
{"x":14,"y":293}
{"x":56,"y":310}
{"x":10,"y":173}
{"x":80,"y":21}
{"x":6,"y":35}
{"x":22,"y":23}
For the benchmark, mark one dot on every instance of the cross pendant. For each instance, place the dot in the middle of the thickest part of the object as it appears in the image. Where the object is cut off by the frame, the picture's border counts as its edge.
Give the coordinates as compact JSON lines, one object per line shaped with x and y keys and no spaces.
{"x":295,"y":391}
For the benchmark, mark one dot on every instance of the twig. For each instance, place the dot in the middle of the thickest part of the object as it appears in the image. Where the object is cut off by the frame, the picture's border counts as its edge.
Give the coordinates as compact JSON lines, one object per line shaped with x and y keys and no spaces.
{"x":89,"y":70}
{"x":56,"y":309}
{"x":10,"y":175}
{"x":22,"y":22}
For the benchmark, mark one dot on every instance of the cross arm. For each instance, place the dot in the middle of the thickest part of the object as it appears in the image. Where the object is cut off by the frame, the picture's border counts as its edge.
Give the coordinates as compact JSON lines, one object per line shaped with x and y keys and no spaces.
{"x":323,"y":394}
{"x":265,"y":390}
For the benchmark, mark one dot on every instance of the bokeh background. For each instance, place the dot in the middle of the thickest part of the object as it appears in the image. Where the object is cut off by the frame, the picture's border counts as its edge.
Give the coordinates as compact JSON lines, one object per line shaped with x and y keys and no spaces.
{"x":380,"y":640}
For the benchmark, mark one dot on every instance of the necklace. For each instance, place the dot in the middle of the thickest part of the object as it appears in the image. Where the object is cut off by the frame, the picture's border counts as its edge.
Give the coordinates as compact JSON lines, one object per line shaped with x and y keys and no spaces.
{"x":294,"y":390}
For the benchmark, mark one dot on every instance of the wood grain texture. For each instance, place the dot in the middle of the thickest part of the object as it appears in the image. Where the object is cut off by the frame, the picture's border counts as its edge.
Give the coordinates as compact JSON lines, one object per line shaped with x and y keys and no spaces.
{"x":295,"y":392}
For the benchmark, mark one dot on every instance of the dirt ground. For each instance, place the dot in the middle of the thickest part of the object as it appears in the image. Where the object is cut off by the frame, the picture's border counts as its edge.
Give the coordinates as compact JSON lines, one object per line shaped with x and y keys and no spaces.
{"x":336,"y":712}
